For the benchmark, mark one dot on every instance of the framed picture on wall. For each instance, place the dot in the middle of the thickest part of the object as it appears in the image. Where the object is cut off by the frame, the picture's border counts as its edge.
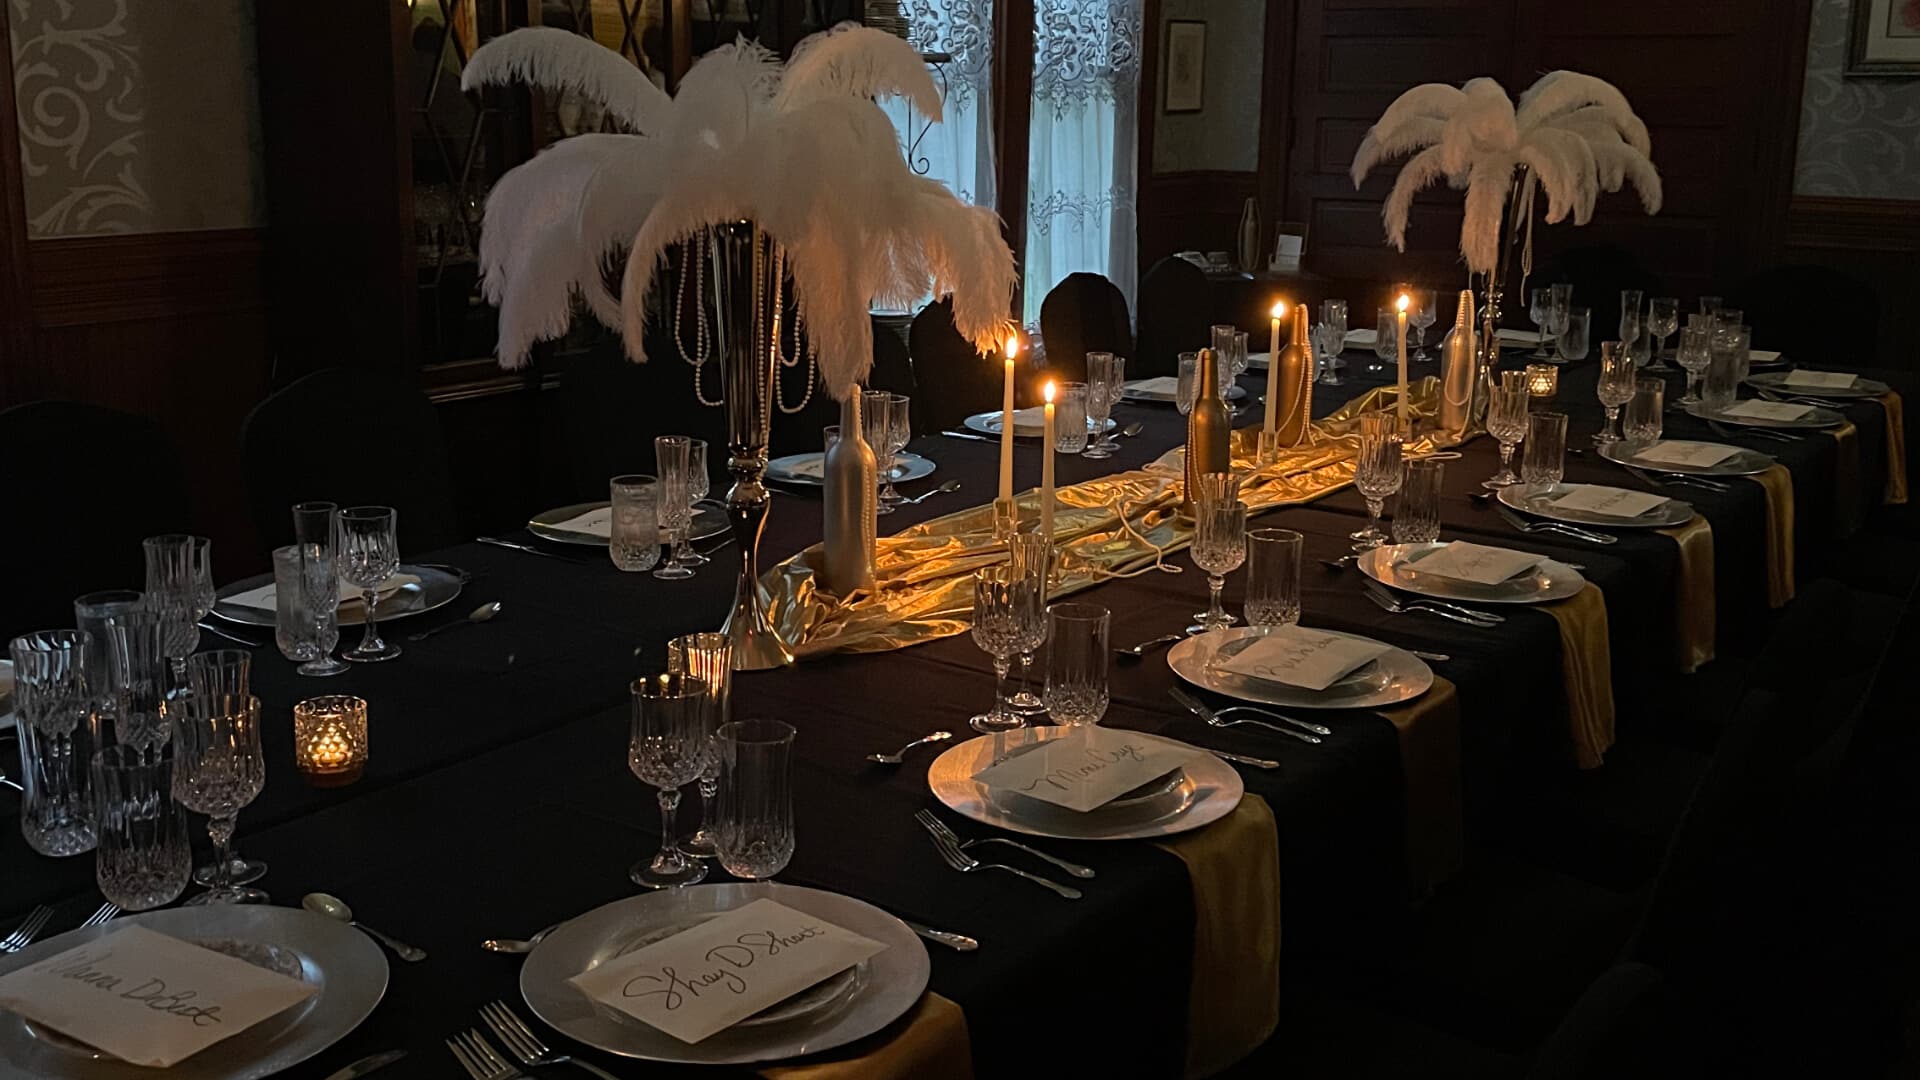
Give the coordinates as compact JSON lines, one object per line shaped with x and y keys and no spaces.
{"x":1186,"y":65}
{"x":1886,"y":38}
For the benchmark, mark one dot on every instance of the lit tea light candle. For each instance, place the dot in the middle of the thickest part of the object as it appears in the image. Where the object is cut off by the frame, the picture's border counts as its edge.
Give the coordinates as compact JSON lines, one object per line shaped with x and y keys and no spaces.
{"x":1543,"y":381}
{"x":330,"y":739}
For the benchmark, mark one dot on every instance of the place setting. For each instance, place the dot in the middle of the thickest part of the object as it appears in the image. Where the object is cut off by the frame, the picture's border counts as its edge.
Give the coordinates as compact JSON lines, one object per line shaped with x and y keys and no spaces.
{"x":1811,"y":387}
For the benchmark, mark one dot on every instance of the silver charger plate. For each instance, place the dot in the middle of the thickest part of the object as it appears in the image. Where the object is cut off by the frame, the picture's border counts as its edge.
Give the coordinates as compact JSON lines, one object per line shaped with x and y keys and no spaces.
{"x":1204,"y":790}
{"x":349,"y":969}
{"x":1744,"y":462}
{"x":1398,"y":565}
{"x":1776,"y":381}
{"x":709,"y":519}
{"x":437,"y":589}
{"x":1818,"y":417}
{"x":988,"y":423}
{"x":837,"y":1011}
{"x":1538,"y":503}
{"x":1130,"y":392}
{"x":786,"y":469}
{"x":1394,"y":676}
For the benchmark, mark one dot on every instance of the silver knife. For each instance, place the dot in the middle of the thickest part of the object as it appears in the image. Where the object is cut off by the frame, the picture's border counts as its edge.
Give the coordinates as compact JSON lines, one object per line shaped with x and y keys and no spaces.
{"x":367,"y":1064}
{"x":1242,"y":759}
{"x":956,"y":942}
{"x":977,"y":437}
{"x":528,"y":548}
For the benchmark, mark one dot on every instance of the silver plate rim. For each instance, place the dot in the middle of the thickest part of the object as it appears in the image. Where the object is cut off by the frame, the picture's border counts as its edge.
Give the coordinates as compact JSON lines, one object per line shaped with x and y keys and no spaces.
{"x":1757,"y":461}
{"x":911,"y":467}
{"x":709,"y":519}
{"x":1819,"y":419}
{"x":1409,"y":676}
{"x":1776,"y":381}
{"x":438,"y":588}
{"x":1560,"y":581}
{"x":1514,"y":498}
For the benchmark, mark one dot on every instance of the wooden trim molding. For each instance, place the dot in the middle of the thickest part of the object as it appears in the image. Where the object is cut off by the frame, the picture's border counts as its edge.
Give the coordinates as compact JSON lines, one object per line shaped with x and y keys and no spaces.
{"x":88,"y":280}
{"x":16,"y":329}
{"x":1858,"y":224}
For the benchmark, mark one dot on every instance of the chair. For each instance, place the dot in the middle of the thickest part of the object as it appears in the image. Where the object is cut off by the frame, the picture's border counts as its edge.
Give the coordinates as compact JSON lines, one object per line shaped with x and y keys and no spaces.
{"x":954,"y":380}
{"x":1173,"y":317}
{"x":1814,"y":314}
{"x":614,"y":407}
{"x":85,"y":484}
{"x":353,"y":437}
{"x":1084,"y":313}
{"x":1598,"y":274}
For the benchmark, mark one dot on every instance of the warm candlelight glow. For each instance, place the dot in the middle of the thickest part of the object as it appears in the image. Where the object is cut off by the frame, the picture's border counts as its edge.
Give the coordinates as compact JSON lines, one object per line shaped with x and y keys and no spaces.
{"x":1013,"y":346}
{"x":1543,"y":381}
{"x":1047,"y":391}
{"x":1403,"y":302}
{"x":1280,"y":309}
{"x":330,"y":739}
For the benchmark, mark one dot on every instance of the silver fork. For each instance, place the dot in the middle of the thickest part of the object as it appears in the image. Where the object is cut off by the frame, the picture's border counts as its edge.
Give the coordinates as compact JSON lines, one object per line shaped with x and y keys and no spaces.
{"x":1759,"y":432}
{"x":967,"y":864}
{"x":1199,"y":708}
{"x":1387,"y":601}
{"x":28,"y":929}
{"x":521,"y":1042}
{"x":1647,"y":476}
{"x":102,"y":915}
{"x":1525,"y":526}
{"x":939,"y":828}
{"x":482,"y":1061}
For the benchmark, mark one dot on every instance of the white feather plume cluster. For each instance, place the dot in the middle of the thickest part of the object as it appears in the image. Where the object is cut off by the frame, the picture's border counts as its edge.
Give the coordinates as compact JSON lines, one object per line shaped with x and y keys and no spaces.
{"x":1576,"y":134}
{"x":801,"y":149}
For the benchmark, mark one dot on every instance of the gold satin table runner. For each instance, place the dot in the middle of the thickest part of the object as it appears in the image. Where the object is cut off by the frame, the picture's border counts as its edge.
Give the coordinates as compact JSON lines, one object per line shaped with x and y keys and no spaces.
{"x":1233,"y":999}
{"x":1896,"y":490}
{"x":1695,"y":619}
{"x":1429,"y":730}
{"x":1777,"y":482}
{"x":929,"y":1043}
{"x":1586,"y":662}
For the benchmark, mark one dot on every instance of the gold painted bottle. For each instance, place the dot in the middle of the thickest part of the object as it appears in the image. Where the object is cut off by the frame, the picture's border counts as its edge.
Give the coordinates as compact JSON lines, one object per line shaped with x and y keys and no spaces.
{"x":850,"y":503}
{"x":1209,"y":429}
{"x":1291,"y":376}
{"x":1459,"y":372}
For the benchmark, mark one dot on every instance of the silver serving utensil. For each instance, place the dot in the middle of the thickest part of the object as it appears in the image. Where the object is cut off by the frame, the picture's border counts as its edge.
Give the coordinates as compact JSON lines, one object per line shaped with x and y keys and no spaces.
{"x":483,"y":613}
{"x":944,"y":489}
{"x":367,"y":1064}
{"x":939,"y":828}
{"x":1388,"y":602}
{"x":531,"y":550}
{"x":956,"y":942}
{"x":1133,"y":429}
{"x":1147,"y":646}
{"x":28,"y":929}
{"x":951,"y":854}
{"x":481,"y":1060}
{"x":1213,"y":719}
{"x":522,"y":1043}
{"x":335,"y":908}
{"x":895,"y":757}
{"x":516,"y":946}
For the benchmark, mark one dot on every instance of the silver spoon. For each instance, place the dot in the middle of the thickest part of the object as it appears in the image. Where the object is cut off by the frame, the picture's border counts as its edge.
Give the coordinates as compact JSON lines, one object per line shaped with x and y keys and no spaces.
{"x":944,"y":489}
{"x":478,"y":615}
{"x":896,"y":757}
{"x":335,"y":908}
{"x":514,"y":945}
{"x":1151,"y":644}
{"x":1134,"y":428}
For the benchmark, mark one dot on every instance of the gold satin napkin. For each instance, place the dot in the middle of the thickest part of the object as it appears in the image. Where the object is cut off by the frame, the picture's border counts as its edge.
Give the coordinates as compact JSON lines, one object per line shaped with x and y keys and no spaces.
{"x":1846,"y":476}
{"x":1586,"y":661}
{"x":1777,"y":482}
{"x":929,"y":1043}
{"x":1896,"y":491}
{"x":1233,"y":998}
{"x":1429,"y":730}
{"x":1694,"y":617}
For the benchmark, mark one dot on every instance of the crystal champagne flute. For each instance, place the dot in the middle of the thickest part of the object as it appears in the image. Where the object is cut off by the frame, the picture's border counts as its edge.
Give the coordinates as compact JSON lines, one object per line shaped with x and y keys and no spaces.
{"x":1663,"y":318}
{"x":673,"y":458}
{"x":1030,"y":554}
{"x":1422,"y":317}
{"x":698,"y":484}
{"x":316,"y":533}
{"x":1539,"y":311}
{"x":1106,"y":374}
{"x":709,"y":658}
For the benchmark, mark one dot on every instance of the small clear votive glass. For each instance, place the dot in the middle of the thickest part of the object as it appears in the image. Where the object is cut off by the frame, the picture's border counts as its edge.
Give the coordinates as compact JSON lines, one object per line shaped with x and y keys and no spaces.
{"x":330,"y":739}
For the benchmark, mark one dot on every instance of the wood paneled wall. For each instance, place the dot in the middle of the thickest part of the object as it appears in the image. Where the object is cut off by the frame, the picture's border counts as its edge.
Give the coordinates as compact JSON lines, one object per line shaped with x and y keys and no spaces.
{"x":1875,"y":240}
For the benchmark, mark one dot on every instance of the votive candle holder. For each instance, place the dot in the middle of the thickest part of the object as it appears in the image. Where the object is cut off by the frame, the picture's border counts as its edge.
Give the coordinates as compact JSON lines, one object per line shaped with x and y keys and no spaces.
{"x":330,"y":739}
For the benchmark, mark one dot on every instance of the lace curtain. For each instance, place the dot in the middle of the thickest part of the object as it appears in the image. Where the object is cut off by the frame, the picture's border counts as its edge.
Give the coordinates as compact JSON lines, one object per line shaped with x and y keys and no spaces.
{"x":1082,"y":147}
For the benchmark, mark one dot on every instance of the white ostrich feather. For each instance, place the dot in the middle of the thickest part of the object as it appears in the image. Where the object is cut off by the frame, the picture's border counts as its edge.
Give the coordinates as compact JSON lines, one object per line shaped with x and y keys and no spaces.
{"x":1562,"y":92}
{"x":1405,"y":138}
{"x":560,"y":60}
{"x":858,"y":61}
{"x":1419,"y":171}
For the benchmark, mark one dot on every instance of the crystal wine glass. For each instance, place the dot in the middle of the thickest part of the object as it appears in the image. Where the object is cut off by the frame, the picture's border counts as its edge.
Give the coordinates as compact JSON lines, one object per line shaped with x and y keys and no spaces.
{"x":1273,"y":577}
{"x":180,"y":587}
{"x":316,"y":532}
{"x":1376,"y":473}
{"x":143,"y":856}
{"x":1694,"y":354}
{"x":1030,"y":554}
{"x":667,"y":746}
{"x":1331,"y":337}
{"x":1507,"y":423}
{"x":709,"y":658}
{"x":368,"y":552}
{"x":698,"y":485}
{"x":1003,"y":607}
{"x":1386,"y":345}
{"x":1077,"y":663}
{"x":673,"y":458}
{"x":224,"y":675}
{"x":1663,"y":318}
{"x":1106,"y":374}
{"x":1219,"y":547}
{"x":219,"y":768}
{"x":1540,"y":311}
{"x":1188,"y":382}
{"x":1422,"y":316}
{"x":1615,"y":388}
{"x":753,"y":823}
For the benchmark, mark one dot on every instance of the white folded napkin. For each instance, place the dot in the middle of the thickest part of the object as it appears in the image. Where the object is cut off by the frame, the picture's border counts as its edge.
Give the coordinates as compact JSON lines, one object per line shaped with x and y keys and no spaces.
{"x":1162,"y":386}
{"x":1697,"y":455}
{"x":1768,"y":410}
{"x":1608,"y":501}
{"x":1823,"y":380}
{"x":1297,"y":656}
{"x":265,"y":599}
{"x":1477,"y":563}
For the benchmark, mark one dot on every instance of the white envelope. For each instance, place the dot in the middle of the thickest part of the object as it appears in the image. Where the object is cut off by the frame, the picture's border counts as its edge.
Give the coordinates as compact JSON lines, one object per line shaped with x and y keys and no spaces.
{"x":1823,"y":380}
{"x":1297,"y":656}
{"x":1608,"y":501}
{"x":1086,"y":769}
{"x":1162,"y":386}
{"x":1769,"y":410}
{"x":266,"y":599}
{"x":1692,"y":454}
{"x":1477,"y":563}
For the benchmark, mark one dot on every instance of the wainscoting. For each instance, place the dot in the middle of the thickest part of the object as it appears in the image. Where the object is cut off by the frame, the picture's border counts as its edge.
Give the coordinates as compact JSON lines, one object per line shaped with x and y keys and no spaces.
{"x":1877,"y":241}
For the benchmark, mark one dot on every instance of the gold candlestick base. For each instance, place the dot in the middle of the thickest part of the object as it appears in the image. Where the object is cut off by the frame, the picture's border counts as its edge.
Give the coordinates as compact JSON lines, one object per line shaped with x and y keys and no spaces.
{"x":1006,"y":519}
{"x":1269,"y":447}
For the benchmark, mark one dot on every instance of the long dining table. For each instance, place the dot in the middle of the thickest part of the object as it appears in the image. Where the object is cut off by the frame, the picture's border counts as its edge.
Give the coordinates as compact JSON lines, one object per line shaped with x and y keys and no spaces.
{"x":497,"y":799}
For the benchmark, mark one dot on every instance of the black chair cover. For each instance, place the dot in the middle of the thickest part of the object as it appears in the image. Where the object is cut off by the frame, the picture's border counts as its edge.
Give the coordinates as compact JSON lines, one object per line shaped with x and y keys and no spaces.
{"x":1174,"y":317}
{"x":1084,"y":313}
{"x":954,"y":380}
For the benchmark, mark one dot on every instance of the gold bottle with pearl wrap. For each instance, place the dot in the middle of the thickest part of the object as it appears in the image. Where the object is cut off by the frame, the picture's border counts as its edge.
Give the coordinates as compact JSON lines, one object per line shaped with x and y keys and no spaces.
{"x":1291,"y":376}
{"x":850,"y":503}
{"x":1459,"y":374}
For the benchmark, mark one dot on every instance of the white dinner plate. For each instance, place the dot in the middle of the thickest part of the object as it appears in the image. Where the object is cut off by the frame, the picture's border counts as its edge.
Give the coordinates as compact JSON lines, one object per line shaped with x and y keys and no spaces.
{"x":1539,"y":504}
{"x":344,"y":963}
{"x":1132,"y":392}
{"x":1776,"y":381}
{"x":807,"y":468}
{"x":1203,"y":791}
{"x":1744,"y":462}
{"x":436,"y":589}
{"x":988,"y":423}
{"x":1390,"y":678}
{"x":709,"y":519}
{"x":1817,"y":417}
{"x":1398,"y":565}
{"x":836,"y":1011}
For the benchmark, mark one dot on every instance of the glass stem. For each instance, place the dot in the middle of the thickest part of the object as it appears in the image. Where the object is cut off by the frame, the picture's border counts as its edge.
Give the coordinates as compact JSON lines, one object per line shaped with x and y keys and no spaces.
{"x":220,"y":831}
{"x":177,"y":665}
{"x":669,"y":842}
{"x":1506,"y":459}
{"x":1613,"y":421}
{"x":370,"y":640}
{"x":1216,"y":615}
{"x":1026,"y":670}
{"x":1001,"y":665}
{"x":1374,"y":506}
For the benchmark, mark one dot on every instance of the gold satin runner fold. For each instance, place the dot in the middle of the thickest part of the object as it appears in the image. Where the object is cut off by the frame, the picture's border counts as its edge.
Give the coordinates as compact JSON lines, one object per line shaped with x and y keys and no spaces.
{"x":1429,"y":729}
{"x":1694,"y":615}
{"x":1777,"y":482}
{"x":1103,"y":529}
{"x":1586,"y":661}
{"x":1233,"y":999}
{"x":929,"y":1043}
{"x":1896,"y":491}
{"x":1846,"y":476}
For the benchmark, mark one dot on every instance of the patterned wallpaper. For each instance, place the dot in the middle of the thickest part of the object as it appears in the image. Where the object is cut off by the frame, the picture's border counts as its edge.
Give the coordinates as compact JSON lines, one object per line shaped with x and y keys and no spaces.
{"x":142,"y":120}
{"x":1859,"y":138}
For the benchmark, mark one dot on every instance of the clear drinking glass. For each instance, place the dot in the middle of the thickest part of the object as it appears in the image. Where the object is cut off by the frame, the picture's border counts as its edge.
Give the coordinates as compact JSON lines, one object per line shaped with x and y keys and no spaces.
{"x":1709,"y":305}
{"x":1188,"y":383}
{"x":316,"y":531}
{"x":672,"y":456}
{"x":709,"y":658}
{"x":1507,"y":423}
{"x":367,"y":553}
{"x":140,"y":673}
{"x":1541,"y":466}
{"x":143,"y":856}
{"x":1077,"y":659}
{"x":633,"y":535}
{"x":1416,"y":514}
{"x":1030,"y":555}
{"x":1106,"y":374}
{"x":753,"y":820}
{"x":1738,"y":341}
{"x":1722,"y":384}
{"x":1273,"y":577}
{"x":697,"y":485}
{"x":219,"y":768}
{"x":1573,"y":340}
{"x":875,"y":419}
{"x":1219,"y":548}
{"x":54,"y":718}
{"x":1386,"y":347}
{"x":1694,"y":354}
{"x":1332,"y":342}
{"x":1420,"y":318}
{"x":899,"y":434}
{"x":668,"y":746}
{"x":1614,"y":389}
{"x":293,"y":624}
{"x":1003,"y":610}
{"x":1070,"y":417}
{"x":1632,"y":318}
{"x":1376,"y":472}
{"x":1540,"y":311}
{"x":1663,"y":318}
{"x":90,"y":615}
{"x":180,"y":586}
{"x":1646,"y":413}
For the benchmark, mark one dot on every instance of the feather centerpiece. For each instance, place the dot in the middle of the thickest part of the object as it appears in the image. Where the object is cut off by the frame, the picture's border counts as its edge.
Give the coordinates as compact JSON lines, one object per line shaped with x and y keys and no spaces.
{"x":800,"y":149}
{"x":1575,"y":134}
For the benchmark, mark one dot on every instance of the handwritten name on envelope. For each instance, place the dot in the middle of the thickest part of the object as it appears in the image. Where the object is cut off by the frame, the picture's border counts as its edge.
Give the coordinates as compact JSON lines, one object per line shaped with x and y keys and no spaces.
{"x":714,"y":975}
{"x":1085,"y":770}
{"x":147,"y":998}
{"x":1769,"y":410}
{"x":1477,"y":563}
{"x":1608,"y":501}
{"x":1297,"y":656}
{"x":1825,"y":380}
{"x":1698,"y":455}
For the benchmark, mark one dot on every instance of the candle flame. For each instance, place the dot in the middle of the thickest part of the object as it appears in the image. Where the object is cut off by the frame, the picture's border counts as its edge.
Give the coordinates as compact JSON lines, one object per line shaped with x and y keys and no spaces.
{"x":1013,"y":346}
{"x":1280,"y":309}
{"x":1403,"y":302}
{"x":1047,"y":392}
